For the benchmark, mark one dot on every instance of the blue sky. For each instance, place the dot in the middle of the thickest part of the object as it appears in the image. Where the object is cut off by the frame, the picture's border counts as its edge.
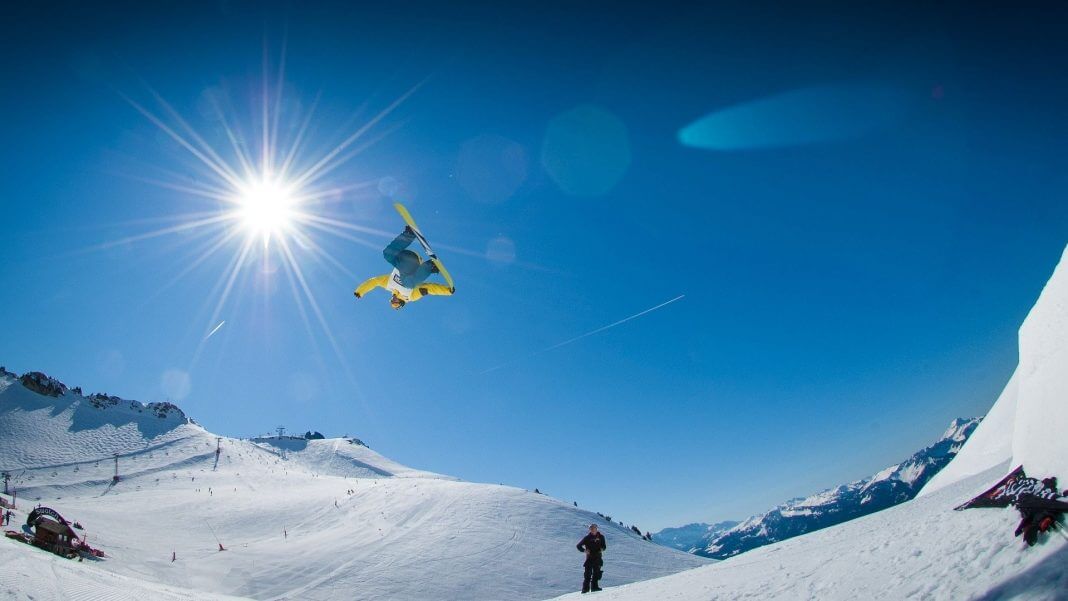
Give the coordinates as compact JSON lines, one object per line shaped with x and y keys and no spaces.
{"x":854,"y":268}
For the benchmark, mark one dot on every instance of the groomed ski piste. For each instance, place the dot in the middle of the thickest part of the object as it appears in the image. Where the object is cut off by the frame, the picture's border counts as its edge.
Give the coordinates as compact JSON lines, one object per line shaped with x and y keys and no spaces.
{"x":299,"y":519}
{"x":922,"y":549}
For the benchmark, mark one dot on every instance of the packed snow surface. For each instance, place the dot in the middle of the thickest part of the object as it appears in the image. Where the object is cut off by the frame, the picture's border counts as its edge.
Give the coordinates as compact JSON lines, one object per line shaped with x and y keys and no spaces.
{"x":299,"y":519}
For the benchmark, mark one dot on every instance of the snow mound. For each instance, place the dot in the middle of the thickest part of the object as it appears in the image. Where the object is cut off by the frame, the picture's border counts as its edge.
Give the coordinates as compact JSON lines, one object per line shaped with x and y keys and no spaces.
{"x":1027,"y":423}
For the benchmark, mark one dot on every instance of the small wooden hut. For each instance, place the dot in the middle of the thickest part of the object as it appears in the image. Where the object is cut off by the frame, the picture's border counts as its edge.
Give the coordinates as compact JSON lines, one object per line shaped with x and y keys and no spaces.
{"x":56,"y":537}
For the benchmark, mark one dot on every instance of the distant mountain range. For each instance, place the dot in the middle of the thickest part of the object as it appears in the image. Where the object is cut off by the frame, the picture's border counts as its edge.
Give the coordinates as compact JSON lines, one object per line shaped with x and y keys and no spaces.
{"x":688,"y":537}
{"x":893,"y":485}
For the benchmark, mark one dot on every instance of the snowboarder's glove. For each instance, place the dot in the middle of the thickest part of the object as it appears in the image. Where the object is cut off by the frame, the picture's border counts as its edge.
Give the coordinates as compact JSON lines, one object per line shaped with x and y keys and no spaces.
{"x":356,"y":294}
{"x":408,"y":230}
{"x":1046,"y":523}
{"x":434,"y":267}
{"x":1034,"y":523}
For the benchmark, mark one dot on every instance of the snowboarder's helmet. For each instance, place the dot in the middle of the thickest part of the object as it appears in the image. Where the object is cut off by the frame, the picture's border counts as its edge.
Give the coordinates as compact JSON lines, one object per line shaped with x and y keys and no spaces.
{"x":396,"y":302}
{"x":408,"y":261}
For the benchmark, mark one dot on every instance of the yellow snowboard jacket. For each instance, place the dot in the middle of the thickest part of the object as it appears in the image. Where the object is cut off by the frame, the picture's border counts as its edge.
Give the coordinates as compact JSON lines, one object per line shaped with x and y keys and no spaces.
{"x":418,"y":292}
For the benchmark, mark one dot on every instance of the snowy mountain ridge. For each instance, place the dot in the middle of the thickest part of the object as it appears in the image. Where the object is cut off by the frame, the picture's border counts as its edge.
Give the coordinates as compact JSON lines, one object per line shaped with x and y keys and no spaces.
{"x":46,"y":385}
{"x":70,"y":428}
{"x":686,"y":538}
{"x":895,"y":484}
{"x":300,"y":518}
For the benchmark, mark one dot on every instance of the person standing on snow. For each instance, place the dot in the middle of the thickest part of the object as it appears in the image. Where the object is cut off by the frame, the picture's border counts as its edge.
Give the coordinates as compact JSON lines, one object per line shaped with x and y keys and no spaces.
{"x":592,"y":545}
{"x":407,"y":283}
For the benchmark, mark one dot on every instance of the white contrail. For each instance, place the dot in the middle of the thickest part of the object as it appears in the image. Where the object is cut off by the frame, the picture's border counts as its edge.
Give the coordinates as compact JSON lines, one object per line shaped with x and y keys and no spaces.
{"x":587,"y":334}
{"x":211,"y":333}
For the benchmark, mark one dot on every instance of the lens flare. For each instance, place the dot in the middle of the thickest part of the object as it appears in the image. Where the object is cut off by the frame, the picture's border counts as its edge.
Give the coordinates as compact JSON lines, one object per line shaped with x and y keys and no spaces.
{"x":813,"y":115}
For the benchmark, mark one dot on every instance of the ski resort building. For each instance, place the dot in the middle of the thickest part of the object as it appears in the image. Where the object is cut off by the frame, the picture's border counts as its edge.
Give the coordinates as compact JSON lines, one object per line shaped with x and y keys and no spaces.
{"x":54,"y":536}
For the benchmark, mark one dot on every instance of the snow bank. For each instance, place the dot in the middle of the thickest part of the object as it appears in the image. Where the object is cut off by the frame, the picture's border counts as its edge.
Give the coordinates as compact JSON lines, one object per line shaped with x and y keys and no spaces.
{"x":1038,"y":441}
{"x":1027,"y":424}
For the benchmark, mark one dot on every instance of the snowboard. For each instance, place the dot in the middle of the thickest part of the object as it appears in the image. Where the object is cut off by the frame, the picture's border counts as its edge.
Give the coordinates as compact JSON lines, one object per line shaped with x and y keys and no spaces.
{"x":426,"y":245}
{"x":1020,"y":490}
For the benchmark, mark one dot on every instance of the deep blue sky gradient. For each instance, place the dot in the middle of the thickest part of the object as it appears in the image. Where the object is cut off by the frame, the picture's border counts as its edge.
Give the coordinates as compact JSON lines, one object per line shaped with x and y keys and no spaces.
{"x":844,"y":299}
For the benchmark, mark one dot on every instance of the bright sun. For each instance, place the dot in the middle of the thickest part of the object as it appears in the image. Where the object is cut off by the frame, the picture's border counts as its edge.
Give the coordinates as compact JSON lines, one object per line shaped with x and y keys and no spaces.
{"x":265,"y":207}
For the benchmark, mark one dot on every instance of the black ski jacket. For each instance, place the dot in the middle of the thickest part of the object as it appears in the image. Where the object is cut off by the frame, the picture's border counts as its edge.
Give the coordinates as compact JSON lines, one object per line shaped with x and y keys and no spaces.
{"x":593,"y":543}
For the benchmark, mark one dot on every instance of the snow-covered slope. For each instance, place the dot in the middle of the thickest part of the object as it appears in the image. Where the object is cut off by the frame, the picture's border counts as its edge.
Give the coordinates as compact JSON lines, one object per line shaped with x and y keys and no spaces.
{"x":68,"y":427}
{"x":344,"y":457}
{"x":331,"y":519}
{"x":45,"y":577}
{"x":922,"y":549}
{"x":893,"y":485}
{"x":1027,"y":424}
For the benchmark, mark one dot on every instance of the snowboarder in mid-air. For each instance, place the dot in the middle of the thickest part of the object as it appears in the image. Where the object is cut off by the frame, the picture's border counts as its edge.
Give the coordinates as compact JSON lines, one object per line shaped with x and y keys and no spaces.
{"x":592,"y":545}
{"x":407,"y":282}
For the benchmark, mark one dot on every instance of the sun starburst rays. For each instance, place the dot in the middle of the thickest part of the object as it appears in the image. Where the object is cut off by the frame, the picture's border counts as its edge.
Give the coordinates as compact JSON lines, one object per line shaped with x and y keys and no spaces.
{"x":274,"y":203}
